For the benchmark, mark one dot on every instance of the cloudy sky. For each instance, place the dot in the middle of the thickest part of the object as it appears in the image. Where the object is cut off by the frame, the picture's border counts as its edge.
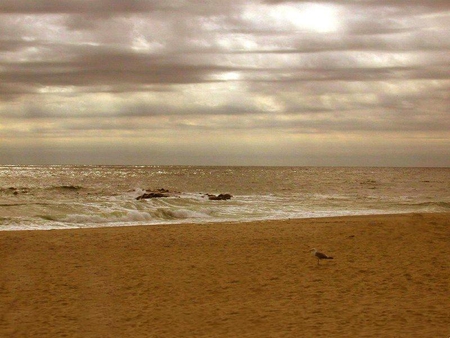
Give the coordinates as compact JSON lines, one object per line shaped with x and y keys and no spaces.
{"x":238,"y":82}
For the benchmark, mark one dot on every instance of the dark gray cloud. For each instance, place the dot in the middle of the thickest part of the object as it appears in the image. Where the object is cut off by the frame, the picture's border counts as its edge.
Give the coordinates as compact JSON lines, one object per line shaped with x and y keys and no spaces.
{"x":120,"y":69}
{"x":81,"y":6}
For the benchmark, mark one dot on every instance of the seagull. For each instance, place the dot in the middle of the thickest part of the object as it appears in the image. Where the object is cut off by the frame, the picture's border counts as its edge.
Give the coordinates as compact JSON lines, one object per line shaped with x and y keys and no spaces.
{"x":319,"y":255}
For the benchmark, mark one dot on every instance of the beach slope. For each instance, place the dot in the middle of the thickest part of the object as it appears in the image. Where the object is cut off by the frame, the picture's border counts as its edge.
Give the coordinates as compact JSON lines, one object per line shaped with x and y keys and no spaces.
{"x":389,"y":278}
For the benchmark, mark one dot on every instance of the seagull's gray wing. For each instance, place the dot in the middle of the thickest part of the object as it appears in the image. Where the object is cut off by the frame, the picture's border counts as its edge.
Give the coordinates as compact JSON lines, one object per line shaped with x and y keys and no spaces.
{"x":321,"y":255}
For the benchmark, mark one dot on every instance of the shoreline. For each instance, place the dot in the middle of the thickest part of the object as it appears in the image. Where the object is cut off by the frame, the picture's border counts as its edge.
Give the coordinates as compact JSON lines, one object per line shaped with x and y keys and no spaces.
{"x":389,"y":277}
{"x":227,"y":221}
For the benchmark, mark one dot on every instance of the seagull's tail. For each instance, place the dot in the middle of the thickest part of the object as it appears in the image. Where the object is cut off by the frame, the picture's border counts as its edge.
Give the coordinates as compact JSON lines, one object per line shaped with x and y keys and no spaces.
{"x":328,"y":257}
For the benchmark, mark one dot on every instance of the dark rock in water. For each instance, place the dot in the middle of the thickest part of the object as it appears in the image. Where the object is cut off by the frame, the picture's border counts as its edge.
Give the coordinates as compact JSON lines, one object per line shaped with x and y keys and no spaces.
{"x":155,"y":194}
{"x":161,"y":193}
{"x":221,"y":197}
{"x":70,"y":187}
{"x":151,"y":195}
{"x":16,"y":191}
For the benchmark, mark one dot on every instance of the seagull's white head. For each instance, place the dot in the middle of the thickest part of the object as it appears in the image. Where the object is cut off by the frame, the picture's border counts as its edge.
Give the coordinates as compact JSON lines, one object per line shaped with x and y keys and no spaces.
{"x":313,"y":251}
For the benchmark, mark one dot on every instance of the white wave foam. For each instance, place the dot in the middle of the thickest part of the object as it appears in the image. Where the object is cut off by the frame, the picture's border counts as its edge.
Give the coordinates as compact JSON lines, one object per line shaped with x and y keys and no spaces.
{"x":165,"y":213}
{"x":113,"y":217}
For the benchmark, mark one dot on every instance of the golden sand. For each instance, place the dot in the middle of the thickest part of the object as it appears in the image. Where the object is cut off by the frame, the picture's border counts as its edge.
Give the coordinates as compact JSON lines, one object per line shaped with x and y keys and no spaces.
{"x":389,"y":277}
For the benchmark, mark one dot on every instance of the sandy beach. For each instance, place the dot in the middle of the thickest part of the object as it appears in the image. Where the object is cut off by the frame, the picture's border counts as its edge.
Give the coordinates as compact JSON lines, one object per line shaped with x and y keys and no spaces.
{"x":389,"y":277}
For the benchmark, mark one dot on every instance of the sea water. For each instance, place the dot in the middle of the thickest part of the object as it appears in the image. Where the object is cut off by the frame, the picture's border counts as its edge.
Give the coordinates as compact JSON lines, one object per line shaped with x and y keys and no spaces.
{"x":65,"y":196}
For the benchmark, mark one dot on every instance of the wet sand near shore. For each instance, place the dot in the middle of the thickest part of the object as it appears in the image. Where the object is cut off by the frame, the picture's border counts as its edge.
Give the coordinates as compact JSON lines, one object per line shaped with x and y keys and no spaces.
{"x":389,"y":277}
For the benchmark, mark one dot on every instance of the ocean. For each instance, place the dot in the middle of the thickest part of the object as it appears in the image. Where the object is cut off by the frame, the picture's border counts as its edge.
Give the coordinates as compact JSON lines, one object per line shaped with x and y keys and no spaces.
{"x":66,"y":196}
